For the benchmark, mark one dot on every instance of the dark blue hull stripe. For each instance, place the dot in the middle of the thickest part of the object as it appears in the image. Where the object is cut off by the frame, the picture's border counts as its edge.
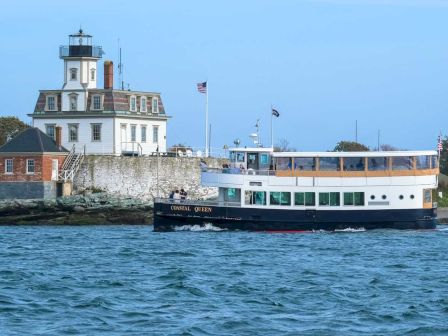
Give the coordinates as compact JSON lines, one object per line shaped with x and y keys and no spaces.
{"x":169,"y":216}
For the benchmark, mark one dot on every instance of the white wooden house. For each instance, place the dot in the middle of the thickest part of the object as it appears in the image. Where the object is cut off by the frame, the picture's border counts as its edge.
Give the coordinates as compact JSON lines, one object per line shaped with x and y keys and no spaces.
{"x":99,"y":121}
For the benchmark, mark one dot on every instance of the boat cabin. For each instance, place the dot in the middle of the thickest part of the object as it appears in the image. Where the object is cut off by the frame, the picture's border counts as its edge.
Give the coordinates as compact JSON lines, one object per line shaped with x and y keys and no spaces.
{"x":251,"y":159}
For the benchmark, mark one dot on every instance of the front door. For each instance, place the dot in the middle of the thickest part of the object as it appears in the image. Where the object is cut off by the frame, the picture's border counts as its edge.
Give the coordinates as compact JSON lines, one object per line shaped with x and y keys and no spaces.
{"x":252,"y":161}
{"x":123,"y":138}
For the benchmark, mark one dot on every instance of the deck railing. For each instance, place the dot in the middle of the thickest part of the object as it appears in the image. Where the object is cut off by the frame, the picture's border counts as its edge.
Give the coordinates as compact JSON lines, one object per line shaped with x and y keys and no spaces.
{"x":196,"y":202}
{"x":239,"y":171}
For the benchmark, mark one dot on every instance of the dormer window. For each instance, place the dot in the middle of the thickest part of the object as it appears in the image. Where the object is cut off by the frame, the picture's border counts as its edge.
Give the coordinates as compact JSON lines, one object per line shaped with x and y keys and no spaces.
{"x":92,"y":74}
{"x":51,"y":103}
{"x":155,"y":105}
{"x":73,"y":74}
{"x":143,"y":104}
{"x":97,"y":102}
{"x":133,"y":104}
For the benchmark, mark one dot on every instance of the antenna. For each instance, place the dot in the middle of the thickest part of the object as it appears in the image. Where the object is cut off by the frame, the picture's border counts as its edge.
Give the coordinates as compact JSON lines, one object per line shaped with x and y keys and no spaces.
{"x":120,"y":68}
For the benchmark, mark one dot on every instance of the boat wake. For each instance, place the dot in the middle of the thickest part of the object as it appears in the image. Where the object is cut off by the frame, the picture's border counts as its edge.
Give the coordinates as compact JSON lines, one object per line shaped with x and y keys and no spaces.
{"x":197,"y":227}
{"x":361,"y":229}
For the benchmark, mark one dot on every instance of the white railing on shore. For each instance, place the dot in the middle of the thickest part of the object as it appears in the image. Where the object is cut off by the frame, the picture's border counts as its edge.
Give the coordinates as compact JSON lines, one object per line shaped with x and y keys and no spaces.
{"x":196,"y":202}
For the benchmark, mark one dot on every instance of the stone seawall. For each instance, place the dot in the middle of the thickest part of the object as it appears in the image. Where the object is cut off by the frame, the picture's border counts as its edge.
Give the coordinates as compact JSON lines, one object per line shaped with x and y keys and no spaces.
{"x":144,"y":177}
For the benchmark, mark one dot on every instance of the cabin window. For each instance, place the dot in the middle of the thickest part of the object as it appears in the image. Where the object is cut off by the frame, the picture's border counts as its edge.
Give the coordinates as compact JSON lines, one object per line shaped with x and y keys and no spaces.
{"x":305,"y":163}
{"x":283,"y":163}
{"x":329,"y":164}
{"x":402,"y":163}
{"x":237,"y":156}
{"x":354,"y":198}
{"x":9,"y":166}
{"x":423,"y":161}
{"x":264,"y":159}
{"x":255,"y":197}
{"x":30,"y":165}
{"x":377,"y":163}
{"x":329,"y":198}
{"x":434,"y":162}
{"x":50,"y":130}
{"x":231,"y":195}
{"x":354,"y":164}
{"x":280,"y":198}
{"x":427,"y":196}
{"x":305,"y":198}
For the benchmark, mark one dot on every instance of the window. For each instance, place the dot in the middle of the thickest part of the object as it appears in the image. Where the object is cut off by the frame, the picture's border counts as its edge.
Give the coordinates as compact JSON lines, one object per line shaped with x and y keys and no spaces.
{"x":50,"y":130}
{"x":51,"y":103}
{"x":377,"y":163}
{"x":96,"y":132}
{"x":329,"y":198}
{"x":73,"y":102}
{"x":92,"y":74}
{"x":283,"y":163}
{"x":423,"y":161}
{"x":354,"y":198}
{"x":305,"y":163}
{"x":434,"y":162}
{"x":155,"y":134}
{"x":73,"y":74}
{"x":133,"y":103}
{"x":231,"y":195}
{"x":305,"y":198}
{"x":8,"y":166}
{"x":427,"y":197}
{"x":329,"y":164}
{"x":143,"y":130}
{"x":96,"y":102}
{"x":143,"y":104}
{"x":354,"y":164}
{"x":73,"y":132}
{"x":255,"y":197}
{"x":237,"y":156}
{"x":133,"y":133}
{"x":402,"y":163}
{"x":155,"y":105}
{"x":280,"y":198}
{"x":30,"y":166}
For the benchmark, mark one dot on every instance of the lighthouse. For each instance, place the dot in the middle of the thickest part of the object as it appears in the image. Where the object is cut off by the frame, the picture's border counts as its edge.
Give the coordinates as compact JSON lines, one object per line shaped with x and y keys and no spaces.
{"x":80,"y":70}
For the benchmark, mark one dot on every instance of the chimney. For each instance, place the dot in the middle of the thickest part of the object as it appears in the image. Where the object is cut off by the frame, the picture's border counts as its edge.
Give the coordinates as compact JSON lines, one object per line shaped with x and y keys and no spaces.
{"x":58,"y":136}
{"x":108,"y":75}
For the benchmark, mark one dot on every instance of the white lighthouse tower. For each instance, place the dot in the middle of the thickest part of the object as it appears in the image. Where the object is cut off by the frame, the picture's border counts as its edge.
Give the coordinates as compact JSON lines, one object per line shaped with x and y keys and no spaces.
{"x":80,"y":70}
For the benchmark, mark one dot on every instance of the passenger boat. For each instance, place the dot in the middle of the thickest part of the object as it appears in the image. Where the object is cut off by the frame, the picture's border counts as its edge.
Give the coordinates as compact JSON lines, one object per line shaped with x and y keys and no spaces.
{"x":263,"y":190}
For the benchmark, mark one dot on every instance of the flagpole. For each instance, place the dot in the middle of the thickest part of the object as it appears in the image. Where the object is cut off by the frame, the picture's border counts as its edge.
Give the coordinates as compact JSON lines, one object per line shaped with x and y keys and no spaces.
{"x":206,"y":119}
{"x":272,"y":130}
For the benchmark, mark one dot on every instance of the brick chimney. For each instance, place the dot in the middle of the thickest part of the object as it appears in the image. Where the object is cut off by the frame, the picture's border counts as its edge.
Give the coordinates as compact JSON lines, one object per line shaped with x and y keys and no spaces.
{"x":108,"y":75}
{"x":58,"y":136}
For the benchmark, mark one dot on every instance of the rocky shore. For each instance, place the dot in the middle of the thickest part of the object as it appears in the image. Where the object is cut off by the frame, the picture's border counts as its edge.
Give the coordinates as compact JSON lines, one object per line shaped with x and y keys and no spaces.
{"x":97,"y":208}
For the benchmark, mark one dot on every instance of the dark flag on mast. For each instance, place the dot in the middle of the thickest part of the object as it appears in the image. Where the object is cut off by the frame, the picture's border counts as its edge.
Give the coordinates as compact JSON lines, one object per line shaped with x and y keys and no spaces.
{"x":275,"y":113}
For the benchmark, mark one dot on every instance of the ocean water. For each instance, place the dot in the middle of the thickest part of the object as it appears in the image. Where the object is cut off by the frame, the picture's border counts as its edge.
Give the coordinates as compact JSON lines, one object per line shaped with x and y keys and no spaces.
{"x":128,"y":280}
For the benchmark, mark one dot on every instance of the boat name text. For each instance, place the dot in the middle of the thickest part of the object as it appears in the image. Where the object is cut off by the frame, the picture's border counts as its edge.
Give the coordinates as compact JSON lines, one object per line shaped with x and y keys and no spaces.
{"x":188,"y":208}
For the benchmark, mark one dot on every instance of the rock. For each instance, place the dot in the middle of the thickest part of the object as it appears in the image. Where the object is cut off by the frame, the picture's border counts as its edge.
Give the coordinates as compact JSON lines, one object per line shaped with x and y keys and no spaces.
{"x":78,"y":208}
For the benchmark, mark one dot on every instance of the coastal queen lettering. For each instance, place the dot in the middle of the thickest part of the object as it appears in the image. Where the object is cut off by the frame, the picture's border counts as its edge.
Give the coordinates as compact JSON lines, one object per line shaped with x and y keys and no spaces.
{"x":189,"y":208}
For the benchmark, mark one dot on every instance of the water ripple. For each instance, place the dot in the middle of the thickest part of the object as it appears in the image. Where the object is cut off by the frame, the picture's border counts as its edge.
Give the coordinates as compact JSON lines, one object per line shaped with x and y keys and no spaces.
{"x":128,"y":280}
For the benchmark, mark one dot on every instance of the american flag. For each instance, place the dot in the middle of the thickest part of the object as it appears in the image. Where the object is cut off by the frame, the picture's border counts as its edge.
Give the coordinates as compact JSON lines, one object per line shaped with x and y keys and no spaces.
{"x":202,"y":87}
{"x":439,"y":144}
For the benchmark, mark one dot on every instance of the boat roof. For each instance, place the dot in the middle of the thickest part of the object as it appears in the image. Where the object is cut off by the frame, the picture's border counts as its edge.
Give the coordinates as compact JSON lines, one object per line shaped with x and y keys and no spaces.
{"x":354,"y":154}
{"x":251,"y":149}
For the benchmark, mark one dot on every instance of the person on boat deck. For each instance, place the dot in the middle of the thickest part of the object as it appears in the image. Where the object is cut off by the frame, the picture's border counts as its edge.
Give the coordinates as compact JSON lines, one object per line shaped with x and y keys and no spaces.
{"x":203,"y":165}
{"x":176,"y":195}
{"x":183,"y":194}
{"x":290,"y":164}
{"x":172,"y":194}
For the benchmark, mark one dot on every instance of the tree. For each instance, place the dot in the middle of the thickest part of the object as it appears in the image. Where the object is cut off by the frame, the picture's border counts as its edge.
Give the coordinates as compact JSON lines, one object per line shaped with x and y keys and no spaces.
{"x":388,"y":148}
{"x":444,"y":157}
{"x":10,"y":127}
{"x":283,"y":146}
{"x":350,"y":146}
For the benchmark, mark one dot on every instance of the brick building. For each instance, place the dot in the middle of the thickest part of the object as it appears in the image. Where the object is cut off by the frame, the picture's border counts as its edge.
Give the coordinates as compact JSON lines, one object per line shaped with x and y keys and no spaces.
{"x":30,"y":164}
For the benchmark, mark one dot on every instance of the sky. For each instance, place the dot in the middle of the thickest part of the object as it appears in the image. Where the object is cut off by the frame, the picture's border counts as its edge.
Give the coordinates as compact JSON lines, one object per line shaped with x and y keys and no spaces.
{"x":325,"y":65}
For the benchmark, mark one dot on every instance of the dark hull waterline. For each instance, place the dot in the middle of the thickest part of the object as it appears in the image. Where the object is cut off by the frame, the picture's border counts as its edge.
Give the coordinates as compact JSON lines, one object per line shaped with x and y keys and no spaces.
{"x":169,"y":217}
